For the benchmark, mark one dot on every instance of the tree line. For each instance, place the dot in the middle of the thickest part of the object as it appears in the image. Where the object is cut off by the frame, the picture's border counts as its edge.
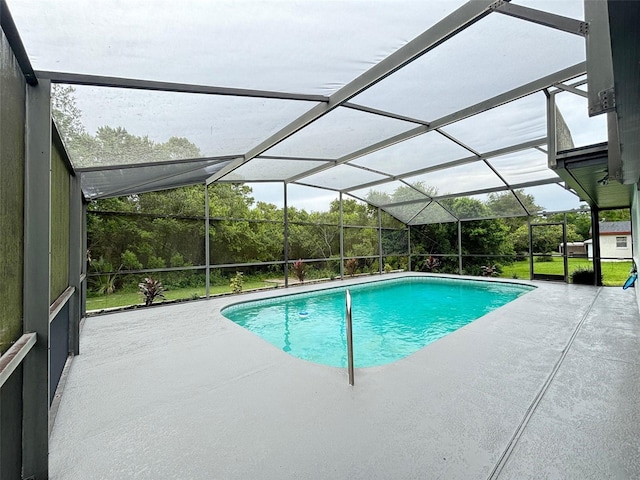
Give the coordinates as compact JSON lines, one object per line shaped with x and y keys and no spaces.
{"x":160,"y":230}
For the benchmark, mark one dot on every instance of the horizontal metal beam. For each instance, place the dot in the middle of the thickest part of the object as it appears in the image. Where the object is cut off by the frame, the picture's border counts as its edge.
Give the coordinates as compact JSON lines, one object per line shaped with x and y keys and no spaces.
{"x":128,"y":166}
{"x":14,"y":356}
{"x":566,"y":24}
{"x":136,"y":84}
{"x":454,"y":23}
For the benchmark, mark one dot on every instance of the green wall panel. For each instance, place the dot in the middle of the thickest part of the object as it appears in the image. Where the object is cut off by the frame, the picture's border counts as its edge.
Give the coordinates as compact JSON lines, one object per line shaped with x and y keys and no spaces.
{"x":60,"y":197}
{"x":12,"y":120}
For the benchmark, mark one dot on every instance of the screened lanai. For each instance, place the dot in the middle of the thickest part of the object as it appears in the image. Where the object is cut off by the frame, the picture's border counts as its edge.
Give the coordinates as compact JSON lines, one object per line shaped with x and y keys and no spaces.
{"x":400,"y":114}
{"x":403,"y":105}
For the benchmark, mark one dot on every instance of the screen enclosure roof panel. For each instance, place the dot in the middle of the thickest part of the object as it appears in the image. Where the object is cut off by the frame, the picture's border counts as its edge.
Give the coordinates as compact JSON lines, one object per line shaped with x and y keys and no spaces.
{"x":404,"y":104}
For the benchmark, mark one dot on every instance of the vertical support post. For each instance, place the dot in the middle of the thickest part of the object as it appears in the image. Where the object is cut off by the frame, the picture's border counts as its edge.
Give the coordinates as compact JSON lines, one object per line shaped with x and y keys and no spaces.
{"x":565,"y":257}
{"x":286,"y":236}
{"x":595,"y":235}
{"x":349,"y":328}
{"x":84,"y":261}
{"x":530,"y":248}
{"x":552,"y":148}
{"x":380,"y":239}
{"x":37,"y":268}
{"x":341,"y":241}
{"x":76,"y":256}
{"x":207,"y":246}
{"x":460,"y":270}
{"x":409,"y":247}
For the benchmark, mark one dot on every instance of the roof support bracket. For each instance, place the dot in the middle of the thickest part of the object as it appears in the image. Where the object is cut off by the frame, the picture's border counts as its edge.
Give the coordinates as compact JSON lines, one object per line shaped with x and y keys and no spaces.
{"x":566,"y":24}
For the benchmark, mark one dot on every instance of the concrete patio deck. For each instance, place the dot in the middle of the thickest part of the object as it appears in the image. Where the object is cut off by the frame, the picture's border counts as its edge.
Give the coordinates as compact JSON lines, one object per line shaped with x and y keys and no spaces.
{"x":547,"y":386}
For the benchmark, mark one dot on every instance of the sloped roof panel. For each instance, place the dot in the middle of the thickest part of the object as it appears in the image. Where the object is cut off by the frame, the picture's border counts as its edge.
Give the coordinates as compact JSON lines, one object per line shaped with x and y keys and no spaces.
{"x":215,"y":125}
{"x":496,"y":54}
{"x":339,"y":133}
{"x":305,"y":47}
{"x":423,"y":151}
{"x":139,"y":179}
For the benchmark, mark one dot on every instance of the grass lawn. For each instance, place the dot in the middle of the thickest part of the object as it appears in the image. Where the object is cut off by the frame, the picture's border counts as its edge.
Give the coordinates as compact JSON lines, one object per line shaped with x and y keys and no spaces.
{"x":124,"y":299}
{"x":614,"y":274}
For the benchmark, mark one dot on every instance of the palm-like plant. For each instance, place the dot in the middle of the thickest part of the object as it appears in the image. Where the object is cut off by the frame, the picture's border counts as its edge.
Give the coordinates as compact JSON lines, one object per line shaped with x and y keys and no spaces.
{"x":300,"y":269}
{"x":150,"y":290}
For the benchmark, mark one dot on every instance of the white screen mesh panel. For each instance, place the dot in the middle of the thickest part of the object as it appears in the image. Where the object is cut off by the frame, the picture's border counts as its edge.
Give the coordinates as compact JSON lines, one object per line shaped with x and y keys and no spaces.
{"x":553,"y":198}
{"x":423,"y":151}
{"x":497,"y":54}
{"x":464,"y":178}
{"x":214,"y":125}
{"x":338,"y":133}
{"x":389,"y":193}
{"x":341,"y":177}
{"x":266,"y":169}
{"x":305,"y":47}
{"x":511,"y":124}
{"x":433,"y":213}
{"x":523,"y":167}
{"x":584,"y":130}
{"x":126,"y":181}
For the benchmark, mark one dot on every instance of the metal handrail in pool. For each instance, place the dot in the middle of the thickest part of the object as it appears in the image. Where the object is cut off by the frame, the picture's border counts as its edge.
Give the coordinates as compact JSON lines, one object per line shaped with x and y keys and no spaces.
{"x":349,"y":338}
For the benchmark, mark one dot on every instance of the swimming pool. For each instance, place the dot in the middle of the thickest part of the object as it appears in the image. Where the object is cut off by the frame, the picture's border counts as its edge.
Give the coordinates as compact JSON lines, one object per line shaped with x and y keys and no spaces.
{"x":391,"y":318}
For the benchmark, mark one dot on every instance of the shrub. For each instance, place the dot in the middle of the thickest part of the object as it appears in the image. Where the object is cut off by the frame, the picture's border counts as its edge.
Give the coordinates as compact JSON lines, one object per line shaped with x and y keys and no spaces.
{"x":584,"y":276}
{"x":544,"y":258}
{"x":431,"y":264}
{"x":150,"y":290}
{"x":489,"y":271}
{"x":351,"y":266}
{"x":387,"y":268}
{"x":300,"y":269}
{"x":236,"y":283}
{"x":107,"y":282}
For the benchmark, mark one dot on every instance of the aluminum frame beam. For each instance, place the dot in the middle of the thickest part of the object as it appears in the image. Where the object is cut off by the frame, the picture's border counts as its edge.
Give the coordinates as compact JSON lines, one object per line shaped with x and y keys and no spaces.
{"x":76,"y":256}
{"x":37,"y":232}
{"x":161,"y":163}
{"x":11,"y":32}
{"x":151,"y":85}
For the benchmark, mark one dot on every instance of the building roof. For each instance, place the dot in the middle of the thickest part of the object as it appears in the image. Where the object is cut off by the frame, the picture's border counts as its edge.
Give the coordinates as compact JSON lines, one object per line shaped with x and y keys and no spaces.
{"x":611,"y":228}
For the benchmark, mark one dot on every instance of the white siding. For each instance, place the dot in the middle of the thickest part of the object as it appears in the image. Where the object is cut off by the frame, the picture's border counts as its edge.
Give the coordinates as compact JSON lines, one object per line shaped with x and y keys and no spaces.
{"x":608,"y":248}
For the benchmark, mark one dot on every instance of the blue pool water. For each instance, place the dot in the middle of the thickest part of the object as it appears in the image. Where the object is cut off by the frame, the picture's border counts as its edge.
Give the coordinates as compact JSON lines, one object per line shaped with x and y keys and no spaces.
{"x":391,"y":319}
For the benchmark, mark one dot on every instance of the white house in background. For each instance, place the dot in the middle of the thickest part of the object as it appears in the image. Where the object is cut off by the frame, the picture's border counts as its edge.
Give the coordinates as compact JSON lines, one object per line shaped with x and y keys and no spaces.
{"x":615,"y":241}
